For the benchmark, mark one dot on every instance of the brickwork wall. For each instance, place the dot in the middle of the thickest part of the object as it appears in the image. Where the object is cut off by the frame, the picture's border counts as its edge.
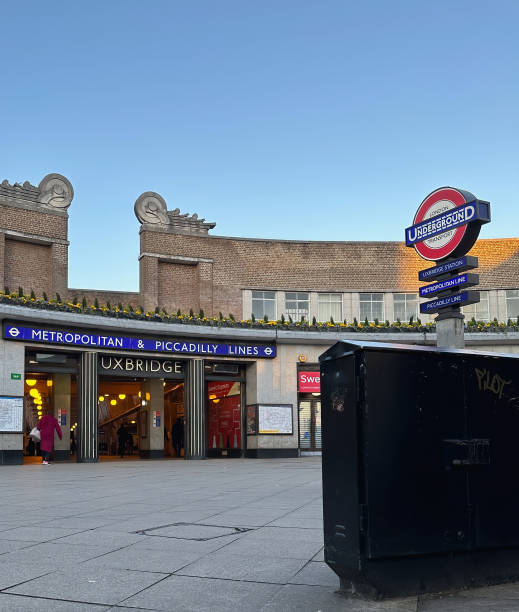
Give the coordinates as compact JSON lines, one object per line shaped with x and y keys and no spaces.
{"x":29,"y":221}
{"x":28,"y":266}
{"x":318,"y":266}
{"x":40,"y":267}
{"x":179,"y":287}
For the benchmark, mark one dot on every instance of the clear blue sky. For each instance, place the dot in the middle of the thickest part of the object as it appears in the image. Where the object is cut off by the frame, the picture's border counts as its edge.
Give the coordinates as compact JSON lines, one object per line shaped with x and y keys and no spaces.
{"x":295,"y":119}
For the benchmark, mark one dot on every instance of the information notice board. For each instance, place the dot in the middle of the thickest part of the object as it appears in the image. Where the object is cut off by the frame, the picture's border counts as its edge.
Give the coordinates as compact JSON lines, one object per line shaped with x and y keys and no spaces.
{"x":11,"y":414}
{"x":275,"y":419}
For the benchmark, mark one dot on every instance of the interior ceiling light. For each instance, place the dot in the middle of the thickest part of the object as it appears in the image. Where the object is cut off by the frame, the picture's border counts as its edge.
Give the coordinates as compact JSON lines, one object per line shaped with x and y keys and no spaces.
{"x":113,"y":402}
{"x":34,"y":393}
{"x":139,"y":394}
{"x":30,"y":382}
{"x":148,"y":396}
{"x":38,"y":402}
{"x":215,"y":401}
{"x":133,"y":422}
{"x":122,"y":396}
{"x":101,"y":398}
{"x":50,"y":382}
{"x":212,"y":396}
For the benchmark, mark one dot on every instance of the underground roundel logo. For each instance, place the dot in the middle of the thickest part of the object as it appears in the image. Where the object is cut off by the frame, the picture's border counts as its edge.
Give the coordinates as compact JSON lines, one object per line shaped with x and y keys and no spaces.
{"x":451,"y":242}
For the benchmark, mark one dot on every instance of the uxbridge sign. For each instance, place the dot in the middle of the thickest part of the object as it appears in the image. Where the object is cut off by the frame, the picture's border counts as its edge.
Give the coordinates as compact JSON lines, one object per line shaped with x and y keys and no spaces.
{"x":82,"y":338}
{"x":447,"y":223}
{"x":140,"y":367}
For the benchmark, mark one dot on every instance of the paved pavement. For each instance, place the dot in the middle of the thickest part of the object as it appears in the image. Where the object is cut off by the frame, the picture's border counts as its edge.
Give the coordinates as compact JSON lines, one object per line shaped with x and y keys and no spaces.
{"x":219,"y":535}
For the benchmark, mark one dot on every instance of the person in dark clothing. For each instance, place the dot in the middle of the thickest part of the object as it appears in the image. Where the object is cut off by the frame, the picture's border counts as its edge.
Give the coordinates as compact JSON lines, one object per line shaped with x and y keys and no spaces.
{"x":73,"y":447}
{"x":177,"y":436}
{"x":122,"y":438}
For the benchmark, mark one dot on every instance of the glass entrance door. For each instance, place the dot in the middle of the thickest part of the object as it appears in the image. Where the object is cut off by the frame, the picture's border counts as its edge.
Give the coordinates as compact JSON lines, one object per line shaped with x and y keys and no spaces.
{"x":224,"y":418}
{"x":310,"y":424}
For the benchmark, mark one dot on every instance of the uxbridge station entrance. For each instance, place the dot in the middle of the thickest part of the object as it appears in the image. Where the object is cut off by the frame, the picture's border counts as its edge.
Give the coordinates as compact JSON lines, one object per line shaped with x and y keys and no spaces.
{"x":142,"y":406}
{"x":129,"y":405}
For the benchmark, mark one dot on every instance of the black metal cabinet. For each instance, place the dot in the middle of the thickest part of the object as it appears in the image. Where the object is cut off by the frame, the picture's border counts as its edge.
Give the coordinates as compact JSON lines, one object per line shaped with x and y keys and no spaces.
{"x":420,"y":464}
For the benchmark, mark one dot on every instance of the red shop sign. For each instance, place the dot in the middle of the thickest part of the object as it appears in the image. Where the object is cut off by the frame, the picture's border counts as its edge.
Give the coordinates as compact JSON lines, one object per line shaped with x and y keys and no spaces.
{"x":309,"y":382}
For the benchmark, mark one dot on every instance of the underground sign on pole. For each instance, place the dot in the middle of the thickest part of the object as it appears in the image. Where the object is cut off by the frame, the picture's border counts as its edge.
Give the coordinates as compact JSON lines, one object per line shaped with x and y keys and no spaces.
{"x":445,"y":227}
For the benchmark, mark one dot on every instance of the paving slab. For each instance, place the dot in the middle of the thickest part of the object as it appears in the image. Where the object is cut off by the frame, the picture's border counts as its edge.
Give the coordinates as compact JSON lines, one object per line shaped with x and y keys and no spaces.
{"x":7,"y":546}
{"x":17,"y":603}
{"x":102,"y":537}
{"x":145,"y":560}
{"x":12,"y":574}
{"x":316,"y":573}
{"x":187,"y":594}
{"x":89,"y":585}
{"x":297,"y":548}
{"x":38,"y":533}
{"x":53,"y":555}
{"x":221,"y":564}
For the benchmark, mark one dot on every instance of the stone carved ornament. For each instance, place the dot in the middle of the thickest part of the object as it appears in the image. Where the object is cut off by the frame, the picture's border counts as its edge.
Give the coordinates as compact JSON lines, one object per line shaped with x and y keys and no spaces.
{"x":54,"y":191}
{"x":150,"y":208}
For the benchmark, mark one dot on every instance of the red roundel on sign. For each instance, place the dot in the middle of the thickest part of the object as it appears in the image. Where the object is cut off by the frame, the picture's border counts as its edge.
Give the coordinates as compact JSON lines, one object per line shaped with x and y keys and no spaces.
{"x":439,"y":201}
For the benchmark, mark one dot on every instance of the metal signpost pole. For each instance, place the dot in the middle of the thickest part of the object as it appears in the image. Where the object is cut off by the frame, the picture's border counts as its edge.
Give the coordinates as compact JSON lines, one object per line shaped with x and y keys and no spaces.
{"x":445,"y":227}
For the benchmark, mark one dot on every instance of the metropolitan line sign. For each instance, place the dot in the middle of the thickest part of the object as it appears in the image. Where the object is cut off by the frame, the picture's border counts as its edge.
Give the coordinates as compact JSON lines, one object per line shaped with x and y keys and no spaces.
{"x":81,"y":338}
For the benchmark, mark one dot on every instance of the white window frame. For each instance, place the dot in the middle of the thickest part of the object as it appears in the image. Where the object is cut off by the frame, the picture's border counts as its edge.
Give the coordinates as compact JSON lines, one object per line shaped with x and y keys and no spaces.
{"x":407,"y":314}
{"x":512,"y":303}
{"x":298,"y":312}
{"x":266,"y":297}
{"x":332,"y":302}
{"x":479,"y":309}
{"x":364,"y":300}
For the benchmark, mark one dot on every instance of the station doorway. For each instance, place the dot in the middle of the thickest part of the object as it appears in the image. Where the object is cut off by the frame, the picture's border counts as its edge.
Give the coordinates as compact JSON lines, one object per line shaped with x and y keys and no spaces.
{"x":224,"y":400}
{"x":140,"y":418}
{"x":56,"y":394}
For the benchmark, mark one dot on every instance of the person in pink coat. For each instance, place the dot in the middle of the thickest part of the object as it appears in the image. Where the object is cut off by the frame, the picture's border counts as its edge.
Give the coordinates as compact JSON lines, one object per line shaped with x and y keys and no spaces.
{"x":47,"y":424}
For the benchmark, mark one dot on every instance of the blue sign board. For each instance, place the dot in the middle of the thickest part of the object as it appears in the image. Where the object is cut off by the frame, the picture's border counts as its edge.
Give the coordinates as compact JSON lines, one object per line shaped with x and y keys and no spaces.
{"x":173,"y":346}
{"x":460,"y":264}
{"x":451,"y":219}
{"x":456,"y":282}
{"x":457,"y":299}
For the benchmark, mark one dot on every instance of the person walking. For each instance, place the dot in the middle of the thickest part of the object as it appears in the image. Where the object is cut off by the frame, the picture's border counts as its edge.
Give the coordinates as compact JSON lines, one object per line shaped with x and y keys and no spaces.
{"x":122,"y":439}
{"x":47,"y":425}
{"x":177,"y":436}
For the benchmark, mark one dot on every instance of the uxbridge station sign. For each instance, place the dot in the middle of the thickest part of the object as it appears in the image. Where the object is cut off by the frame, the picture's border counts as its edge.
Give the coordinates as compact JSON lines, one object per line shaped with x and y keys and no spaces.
{"x":446,"y":225}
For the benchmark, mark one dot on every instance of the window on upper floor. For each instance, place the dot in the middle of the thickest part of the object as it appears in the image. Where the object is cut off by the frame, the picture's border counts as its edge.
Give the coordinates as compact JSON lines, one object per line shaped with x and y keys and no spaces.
{"x":330,"y":306}
{"x":264,"y":303}
{"x":479,"y":311}
{"x":512,"y":303}
{"x":371,"y":306}
{"x":405,"y":306}
{"x":296,"y":305}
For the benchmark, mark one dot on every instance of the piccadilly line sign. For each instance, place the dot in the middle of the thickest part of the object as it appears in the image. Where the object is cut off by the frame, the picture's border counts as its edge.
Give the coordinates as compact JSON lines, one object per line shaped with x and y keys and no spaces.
{"x":456,"y":299}
{"x":81,"y":338}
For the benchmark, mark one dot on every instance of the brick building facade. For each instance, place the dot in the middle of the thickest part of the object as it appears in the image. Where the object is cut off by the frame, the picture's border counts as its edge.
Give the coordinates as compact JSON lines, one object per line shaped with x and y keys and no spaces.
{"x":236,"y":388}
{"x":182,"y":266}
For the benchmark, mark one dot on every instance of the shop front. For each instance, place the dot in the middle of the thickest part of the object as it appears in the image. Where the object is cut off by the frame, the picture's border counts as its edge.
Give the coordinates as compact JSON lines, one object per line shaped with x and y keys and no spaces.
{"x":309,"y":402}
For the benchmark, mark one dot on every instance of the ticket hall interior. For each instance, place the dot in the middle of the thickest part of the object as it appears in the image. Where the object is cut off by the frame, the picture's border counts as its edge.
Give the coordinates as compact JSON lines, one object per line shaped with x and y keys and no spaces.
{"x":137,"y":418}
